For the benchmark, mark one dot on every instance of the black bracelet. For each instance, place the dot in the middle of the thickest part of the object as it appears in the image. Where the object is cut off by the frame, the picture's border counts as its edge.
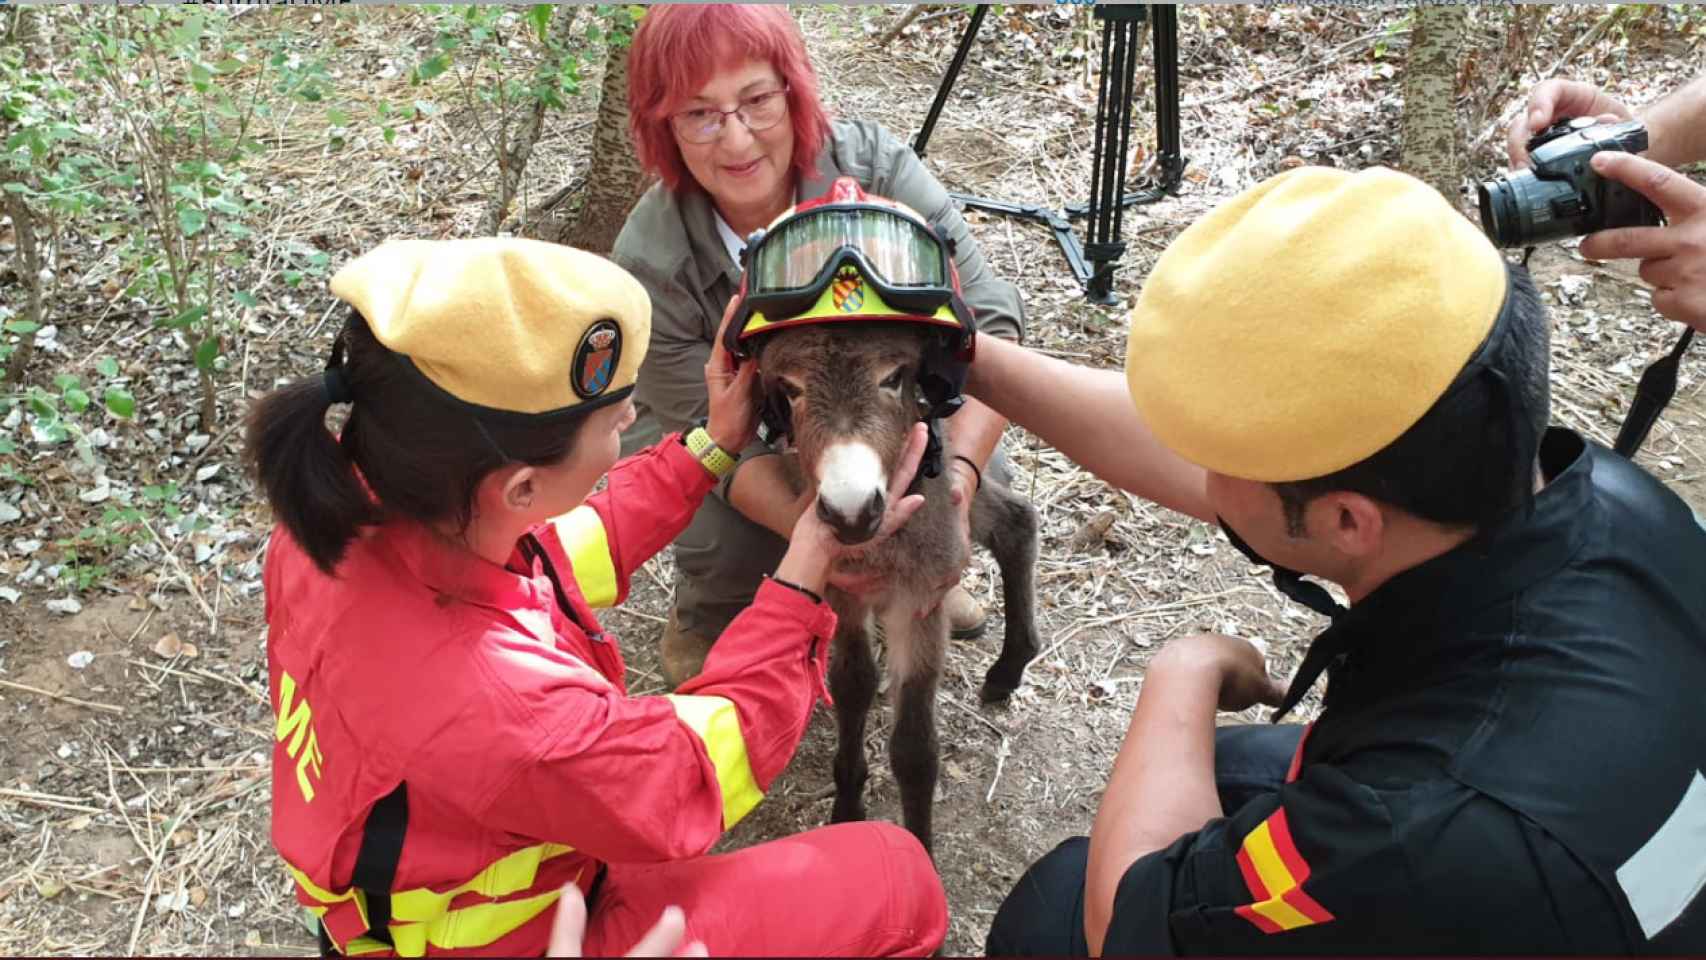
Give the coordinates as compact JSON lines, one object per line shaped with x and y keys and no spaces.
{"x":975,"y":471}
{"x":794,"y":586}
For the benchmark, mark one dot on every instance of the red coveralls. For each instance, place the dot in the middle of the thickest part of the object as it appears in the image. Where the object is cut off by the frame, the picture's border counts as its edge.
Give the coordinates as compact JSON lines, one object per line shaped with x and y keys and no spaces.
{"x":458,"y":734}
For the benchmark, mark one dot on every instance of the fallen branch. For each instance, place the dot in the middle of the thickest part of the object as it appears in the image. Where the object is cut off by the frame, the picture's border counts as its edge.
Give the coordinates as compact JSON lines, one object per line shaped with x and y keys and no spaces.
{"x":894,"y":31}
{"x":105,"y":707}
{"x":46,"y":800}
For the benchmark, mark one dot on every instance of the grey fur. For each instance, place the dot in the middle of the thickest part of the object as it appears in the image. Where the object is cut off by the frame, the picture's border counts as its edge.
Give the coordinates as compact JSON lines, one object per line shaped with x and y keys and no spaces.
{"x":839,"y":369}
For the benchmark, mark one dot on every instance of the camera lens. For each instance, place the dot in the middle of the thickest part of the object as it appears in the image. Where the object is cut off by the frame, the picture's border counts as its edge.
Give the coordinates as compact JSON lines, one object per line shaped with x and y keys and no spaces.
{"x":1499,"y":218}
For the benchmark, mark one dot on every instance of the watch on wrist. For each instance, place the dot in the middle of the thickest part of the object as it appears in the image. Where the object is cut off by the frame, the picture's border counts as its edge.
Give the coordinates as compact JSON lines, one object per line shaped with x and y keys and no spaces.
{"x":716,"y":461}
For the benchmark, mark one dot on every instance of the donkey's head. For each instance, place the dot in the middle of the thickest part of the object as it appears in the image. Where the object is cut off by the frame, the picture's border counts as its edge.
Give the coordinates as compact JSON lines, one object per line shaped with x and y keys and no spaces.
{"x":852,"y":396}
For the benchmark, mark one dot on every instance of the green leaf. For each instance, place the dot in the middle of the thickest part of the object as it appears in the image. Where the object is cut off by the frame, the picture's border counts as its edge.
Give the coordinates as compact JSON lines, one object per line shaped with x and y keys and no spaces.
{"x":246,"y":299}
{"x":119,"y":403}
{"x":431,"y":67}
{"x":22,"y":326}
{"x":66,"y":381}
{"x":188,"y":318}
{"x":6,"y":446}
{"x":76,"y":400}
{"x":191,"y":220}
{"x":540,"y":16}
{"x":336,"y":117}
{"x":107,"y":366}
{"x":389,"y":133}
{"x":206,"y":353}
{"x":43,"y":404}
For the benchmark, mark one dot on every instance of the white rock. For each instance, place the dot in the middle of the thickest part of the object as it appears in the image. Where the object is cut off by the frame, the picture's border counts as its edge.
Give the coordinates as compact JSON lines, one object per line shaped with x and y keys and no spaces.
{"x":9,"y":595}
{"x":196,"y":441}
{"x":80,"y":659}
{"x":98,"y":493}
{"x":67,"y":605}
{"x":204,"y":474}
{"x":13,"y":419}
{"x":24,"y":548}
{"x":8,"y":513}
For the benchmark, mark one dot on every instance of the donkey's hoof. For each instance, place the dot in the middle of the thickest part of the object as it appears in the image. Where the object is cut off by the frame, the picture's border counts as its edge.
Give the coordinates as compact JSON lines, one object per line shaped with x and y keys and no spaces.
{"x":996,"y":689}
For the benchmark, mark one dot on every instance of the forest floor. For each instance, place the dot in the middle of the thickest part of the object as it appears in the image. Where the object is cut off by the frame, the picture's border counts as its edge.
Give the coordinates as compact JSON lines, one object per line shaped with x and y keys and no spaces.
{"x":134,"y":787}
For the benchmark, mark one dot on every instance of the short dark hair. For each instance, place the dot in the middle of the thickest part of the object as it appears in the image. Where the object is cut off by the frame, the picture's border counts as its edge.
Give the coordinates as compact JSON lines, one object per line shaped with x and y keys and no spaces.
{"x":1460,"y":465}
{"x":422,"y":458}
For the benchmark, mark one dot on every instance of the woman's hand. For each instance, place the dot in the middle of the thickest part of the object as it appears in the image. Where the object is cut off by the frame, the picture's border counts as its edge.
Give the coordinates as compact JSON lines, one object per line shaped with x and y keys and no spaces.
{"x":813,"y":548}
{"x":664,"y":939}
{"x":734,"y":401}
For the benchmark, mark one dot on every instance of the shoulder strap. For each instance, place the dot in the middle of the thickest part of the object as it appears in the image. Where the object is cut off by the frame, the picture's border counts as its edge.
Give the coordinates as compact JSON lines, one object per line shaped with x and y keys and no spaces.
{"x":376,"y":861}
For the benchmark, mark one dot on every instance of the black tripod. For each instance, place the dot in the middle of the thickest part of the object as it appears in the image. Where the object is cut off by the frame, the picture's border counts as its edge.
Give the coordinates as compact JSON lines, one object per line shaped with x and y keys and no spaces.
{"x":1093,"y":263}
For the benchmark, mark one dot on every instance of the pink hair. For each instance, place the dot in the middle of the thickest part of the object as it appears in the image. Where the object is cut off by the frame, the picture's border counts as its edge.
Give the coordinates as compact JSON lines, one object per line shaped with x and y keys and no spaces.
{"x":677,"y":49}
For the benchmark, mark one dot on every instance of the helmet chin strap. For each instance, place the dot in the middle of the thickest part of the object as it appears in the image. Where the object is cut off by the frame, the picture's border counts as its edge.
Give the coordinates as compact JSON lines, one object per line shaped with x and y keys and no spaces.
{"x":1289,"y":581}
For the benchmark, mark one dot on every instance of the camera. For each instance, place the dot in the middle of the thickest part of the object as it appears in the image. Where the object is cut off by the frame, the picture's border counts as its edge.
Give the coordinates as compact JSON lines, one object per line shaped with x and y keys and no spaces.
{"x":1561,"y":195}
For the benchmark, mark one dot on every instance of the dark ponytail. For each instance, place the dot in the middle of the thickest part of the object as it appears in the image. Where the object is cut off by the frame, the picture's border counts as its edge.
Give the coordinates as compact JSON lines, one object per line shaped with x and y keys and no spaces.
{"x":422,"y":458}
{"x":305,"y":471}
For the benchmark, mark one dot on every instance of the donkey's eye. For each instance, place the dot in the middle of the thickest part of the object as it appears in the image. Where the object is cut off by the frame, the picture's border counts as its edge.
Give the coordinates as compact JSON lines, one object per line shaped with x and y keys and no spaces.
{"x":894,"y":380}
{"x":789,"y":389}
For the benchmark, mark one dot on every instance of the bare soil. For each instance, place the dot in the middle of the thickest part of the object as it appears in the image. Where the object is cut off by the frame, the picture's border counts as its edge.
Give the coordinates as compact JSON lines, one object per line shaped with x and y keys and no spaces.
{"x":137,"y":819}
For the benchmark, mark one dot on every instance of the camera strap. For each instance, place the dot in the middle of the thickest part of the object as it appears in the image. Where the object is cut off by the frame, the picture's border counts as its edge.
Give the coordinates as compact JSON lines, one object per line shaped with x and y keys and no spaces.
{"x":1652,"y":395}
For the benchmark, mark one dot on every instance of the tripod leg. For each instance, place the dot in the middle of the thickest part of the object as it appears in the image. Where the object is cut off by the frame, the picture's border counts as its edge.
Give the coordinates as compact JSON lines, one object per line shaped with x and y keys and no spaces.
{"x":1168,"y":144}
{"x":948,"y":78}
{"x":1113,"y":119}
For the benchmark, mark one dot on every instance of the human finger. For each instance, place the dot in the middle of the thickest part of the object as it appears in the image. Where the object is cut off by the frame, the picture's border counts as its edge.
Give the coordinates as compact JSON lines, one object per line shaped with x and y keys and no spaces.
{"x":910,"y":458}
{"x":1673,"y":193}
{"x":665,"y":936}
{"x":1628,"y":243}
{"x":569,"y":926}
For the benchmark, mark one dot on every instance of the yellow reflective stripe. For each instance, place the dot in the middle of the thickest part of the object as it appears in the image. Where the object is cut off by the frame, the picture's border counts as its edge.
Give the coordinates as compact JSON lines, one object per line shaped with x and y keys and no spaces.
{"x":361,"y":945}
{"x":512,"y":874}
{"x":470,"y":927}
{"x":327,"y":897}
{"x":718,"y":725}
{"x":584,"y":540}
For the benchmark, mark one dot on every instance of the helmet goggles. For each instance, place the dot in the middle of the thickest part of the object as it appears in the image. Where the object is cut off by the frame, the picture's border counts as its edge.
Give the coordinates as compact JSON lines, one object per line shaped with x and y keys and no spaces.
{"x":814,"y":263}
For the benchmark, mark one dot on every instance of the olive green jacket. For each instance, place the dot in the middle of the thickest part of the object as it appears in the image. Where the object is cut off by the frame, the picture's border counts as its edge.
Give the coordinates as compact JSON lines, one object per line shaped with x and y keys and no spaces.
{"x":671,"y":244}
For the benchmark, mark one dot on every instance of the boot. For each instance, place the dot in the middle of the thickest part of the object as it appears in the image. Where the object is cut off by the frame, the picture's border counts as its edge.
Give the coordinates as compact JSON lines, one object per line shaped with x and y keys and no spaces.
{"x":683,"y":653}
{"x":966,"y":617}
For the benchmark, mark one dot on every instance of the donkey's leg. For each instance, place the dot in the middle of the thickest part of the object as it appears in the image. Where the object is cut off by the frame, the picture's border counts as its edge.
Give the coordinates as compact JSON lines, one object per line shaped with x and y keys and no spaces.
{"x":1007,"y":525}
{"x":853,"y":684}
{"x":915,"y":649}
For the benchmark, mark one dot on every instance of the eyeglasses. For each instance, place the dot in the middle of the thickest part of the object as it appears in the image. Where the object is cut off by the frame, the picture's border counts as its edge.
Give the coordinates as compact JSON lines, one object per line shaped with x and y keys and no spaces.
{"x":759,"y":112}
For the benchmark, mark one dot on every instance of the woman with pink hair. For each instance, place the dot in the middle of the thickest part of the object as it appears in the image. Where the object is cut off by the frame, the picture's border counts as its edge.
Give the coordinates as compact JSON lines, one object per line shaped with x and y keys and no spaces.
{"x":725,"y":112}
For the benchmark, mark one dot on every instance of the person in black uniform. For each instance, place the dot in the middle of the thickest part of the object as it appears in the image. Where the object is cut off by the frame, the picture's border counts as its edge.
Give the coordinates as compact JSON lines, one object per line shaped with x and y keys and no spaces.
{"x":1342,"y":371}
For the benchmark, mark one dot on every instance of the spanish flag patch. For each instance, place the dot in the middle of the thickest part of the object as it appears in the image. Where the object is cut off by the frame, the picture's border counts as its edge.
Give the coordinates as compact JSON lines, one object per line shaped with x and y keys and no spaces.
{"x":1274,"y":871}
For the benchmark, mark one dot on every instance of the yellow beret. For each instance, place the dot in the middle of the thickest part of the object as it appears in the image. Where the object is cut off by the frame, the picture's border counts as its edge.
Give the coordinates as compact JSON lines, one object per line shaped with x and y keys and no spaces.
{"x":513,"y":326}
{"x":1305,"y":324}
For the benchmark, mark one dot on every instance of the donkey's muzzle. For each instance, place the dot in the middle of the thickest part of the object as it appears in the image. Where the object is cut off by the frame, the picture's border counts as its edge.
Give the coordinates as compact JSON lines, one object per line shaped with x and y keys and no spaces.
{"x":857,"y":528}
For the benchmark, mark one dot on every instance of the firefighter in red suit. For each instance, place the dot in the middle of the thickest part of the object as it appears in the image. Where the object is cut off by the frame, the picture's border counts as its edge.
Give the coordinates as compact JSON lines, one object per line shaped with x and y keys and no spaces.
{"x":454,"y":742}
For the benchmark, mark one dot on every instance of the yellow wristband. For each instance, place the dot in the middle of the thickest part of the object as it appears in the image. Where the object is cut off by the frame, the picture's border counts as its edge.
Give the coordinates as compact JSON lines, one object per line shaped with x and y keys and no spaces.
{"x":716,"y":461}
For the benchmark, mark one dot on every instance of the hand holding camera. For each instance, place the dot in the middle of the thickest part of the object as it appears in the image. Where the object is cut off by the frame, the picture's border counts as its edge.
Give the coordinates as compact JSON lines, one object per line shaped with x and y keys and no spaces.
{"x":1585,"y":178}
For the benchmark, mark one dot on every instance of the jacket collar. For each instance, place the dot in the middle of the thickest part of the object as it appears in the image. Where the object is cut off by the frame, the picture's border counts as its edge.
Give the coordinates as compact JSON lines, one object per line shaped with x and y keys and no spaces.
{"x":1412,"y":608}
{"x":455,"y":573}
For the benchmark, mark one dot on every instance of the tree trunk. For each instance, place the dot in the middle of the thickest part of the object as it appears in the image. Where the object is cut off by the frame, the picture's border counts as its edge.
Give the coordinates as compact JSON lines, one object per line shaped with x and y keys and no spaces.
{"x":29,"y":271}
{"x":1433,"y":142}
{"x":514,"y":151}
{"x":614,"y":180}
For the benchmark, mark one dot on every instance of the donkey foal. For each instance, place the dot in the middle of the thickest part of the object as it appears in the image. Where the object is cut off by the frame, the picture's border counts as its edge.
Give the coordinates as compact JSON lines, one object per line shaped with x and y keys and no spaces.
{"x":852,"y":395}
